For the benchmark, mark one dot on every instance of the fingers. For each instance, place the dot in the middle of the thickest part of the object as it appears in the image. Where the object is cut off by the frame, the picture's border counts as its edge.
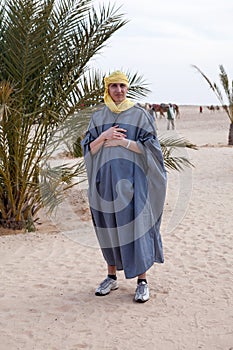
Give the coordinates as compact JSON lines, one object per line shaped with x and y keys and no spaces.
{"x":115,"y":133}
{"x":118,"y":135}
{"x":116,"y":128}
{"x":121,"y":130}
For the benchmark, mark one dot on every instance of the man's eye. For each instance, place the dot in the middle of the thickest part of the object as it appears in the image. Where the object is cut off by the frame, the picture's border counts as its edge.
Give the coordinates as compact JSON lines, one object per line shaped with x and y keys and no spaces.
{"x":122,"y":85}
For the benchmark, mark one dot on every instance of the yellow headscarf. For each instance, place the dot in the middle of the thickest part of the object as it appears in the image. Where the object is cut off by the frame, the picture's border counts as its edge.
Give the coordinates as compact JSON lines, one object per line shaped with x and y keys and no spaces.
{"x":116,"y":77}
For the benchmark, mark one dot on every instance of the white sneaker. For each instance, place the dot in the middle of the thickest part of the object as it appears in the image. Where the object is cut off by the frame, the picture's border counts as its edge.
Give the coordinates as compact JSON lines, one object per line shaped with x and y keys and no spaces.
{"x":106,"y":286}
{"x":142,"y":292}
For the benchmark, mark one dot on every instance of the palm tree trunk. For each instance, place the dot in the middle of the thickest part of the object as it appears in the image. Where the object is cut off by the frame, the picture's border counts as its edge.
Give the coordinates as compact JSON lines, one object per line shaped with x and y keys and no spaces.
{"x":230,"y":137}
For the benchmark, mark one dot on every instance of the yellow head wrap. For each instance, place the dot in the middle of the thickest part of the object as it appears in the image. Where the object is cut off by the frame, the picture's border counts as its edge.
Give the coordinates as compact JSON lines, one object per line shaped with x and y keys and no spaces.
{"x":121,"y":78}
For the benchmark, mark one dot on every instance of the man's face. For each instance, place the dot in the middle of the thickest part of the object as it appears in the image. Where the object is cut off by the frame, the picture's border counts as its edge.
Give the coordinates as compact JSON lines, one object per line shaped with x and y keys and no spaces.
{"x":118,"y":92}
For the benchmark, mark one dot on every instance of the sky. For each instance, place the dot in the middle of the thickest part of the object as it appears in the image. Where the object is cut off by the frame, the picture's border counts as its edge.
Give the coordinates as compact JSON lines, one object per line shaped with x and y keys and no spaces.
{"x":164,"y":38}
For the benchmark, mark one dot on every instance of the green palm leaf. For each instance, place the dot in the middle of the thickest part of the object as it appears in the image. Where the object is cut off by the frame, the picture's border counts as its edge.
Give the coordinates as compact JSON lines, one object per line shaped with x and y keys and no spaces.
{"x":169,"y":146}
{"x":217,"y":91}
{"x":45,"y":49}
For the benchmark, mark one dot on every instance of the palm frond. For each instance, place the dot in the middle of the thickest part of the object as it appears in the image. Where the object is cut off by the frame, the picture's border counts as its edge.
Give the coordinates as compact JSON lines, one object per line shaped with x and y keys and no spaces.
{"x":173,"y":141}
{"x":138,"y":87}
{"x":169,"y":146}
{"x":176,"y":163}
{"x":217,"y":91}
{"x":226,"y":84}
{"x":54,"y":181}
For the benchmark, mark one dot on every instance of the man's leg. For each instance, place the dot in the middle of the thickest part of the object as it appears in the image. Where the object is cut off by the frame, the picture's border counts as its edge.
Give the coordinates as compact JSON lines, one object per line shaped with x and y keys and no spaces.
{"x":111,"y":270}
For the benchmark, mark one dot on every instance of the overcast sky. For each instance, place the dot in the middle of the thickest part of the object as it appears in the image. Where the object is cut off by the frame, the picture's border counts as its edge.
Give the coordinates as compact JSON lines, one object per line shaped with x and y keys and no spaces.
{"x":164,"y":38}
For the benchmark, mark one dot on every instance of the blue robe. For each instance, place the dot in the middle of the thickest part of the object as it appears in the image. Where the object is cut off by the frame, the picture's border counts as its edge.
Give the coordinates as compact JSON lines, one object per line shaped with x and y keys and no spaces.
{"x":127,"y":191}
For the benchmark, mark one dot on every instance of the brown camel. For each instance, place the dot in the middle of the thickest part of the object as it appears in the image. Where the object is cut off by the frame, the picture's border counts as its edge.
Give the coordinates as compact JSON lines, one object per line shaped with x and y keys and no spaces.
{"x":162,"y":108}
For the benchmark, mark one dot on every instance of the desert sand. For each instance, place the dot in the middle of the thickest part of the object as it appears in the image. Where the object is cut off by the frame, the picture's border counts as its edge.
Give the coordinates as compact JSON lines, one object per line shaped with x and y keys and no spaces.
{"x":48,"y":277}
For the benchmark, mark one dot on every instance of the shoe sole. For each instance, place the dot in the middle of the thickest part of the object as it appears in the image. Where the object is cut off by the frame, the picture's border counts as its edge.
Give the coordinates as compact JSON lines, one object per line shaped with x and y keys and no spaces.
{"x":141,"y":301}
{"x":98,"y":294}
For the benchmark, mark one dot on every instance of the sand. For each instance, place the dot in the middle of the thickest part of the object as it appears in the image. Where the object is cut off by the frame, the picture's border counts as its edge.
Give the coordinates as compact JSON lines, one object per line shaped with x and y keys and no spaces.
{"x":48,"y":277}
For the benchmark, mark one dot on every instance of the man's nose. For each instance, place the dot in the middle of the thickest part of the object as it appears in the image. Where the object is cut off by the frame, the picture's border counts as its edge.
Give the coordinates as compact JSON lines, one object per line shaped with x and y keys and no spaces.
{"x":118,"y":88}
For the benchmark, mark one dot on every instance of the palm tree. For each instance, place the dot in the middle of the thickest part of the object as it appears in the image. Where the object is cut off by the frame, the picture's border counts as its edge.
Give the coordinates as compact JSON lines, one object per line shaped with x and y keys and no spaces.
{"x":228,"y":89}
{"x":45,"y":49}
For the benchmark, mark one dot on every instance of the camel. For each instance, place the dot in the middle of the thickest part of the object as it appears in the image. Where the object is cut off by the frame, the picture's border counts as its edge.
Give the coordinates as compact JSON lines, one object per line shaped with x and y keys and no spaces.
{"x":211,"y":108}
{"x":162,"y":108}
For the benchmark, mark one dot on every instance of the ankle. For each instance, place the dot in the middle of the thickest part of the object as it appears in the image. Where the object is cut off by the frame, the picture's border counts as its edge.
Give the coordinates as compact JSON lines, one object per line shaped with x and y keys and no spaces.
{"x":141,"y":280}
{"x":113,"y":277}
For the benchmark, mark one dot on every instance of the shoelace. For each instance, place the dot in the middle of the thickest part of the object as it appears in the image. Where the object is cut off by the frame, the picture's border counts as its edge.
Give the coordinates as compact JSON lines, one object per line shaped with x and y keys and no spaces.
{"x":141,"y":288}
{"x":105,"y":282}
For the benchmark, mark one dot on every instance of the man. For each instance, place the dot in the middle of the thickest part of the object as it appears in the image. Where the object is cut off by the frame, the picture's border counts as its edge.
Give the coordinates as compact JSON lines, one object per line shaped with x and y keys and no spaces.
{"x":170,"y":117}
{"x":127,"y":185}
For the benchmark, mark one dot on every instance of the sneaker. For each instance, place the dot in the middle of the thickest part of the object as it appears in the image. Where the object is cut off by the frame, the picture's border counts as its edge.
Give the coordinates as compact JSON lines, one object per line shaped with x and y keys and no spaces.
{"x":142,"y":292}
{"x":106,"y":286}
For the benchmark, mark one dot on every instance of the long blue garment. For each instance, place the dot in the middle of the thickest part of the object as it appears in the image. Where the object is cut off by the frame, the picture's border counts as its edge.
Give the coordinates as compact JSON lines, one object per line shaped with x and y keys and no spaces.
{"x":127,"y":191}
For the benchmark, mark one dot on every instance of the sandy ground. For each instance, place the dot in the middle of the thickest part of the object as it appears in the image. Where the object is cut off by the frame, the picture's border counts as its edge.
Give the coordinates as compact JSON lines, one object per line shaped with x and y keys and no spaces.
{"x":48,"y":277}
